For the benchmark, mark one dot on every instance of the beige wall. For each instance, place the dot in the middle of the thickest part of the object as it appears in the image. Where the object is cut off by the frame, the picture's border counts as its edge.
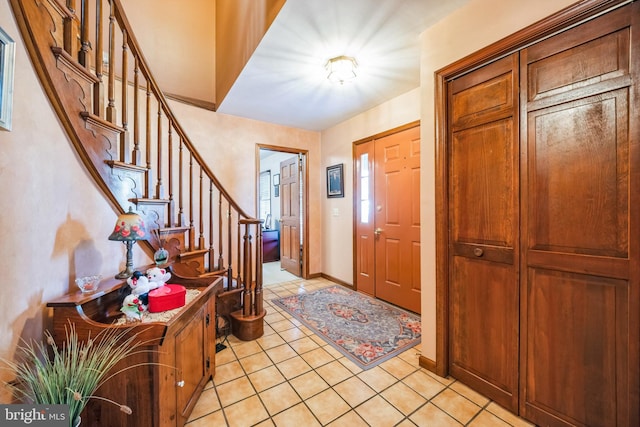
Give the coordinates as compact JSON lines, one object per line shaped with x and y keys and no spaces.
{"x":55,"y":222}
{"x":228,"y":145}
{"x":337,"y":147}
{"x":442,"y":44}
{"x":177,"y":40}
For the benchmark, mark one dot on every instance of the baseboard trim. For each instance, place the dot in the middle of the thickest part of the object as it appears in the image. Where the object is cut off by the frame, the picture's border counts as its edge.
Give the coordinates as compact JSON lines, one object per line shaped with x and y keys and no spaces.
{"x":333,"y":279}
{"x":427,"y":364}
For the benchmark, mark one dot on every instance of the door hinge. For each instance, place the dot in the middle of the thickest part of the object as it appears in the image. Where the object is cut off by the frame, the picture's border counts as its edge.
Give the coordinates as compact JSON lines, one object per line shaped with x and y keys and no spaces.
{"x":207,"y":319}
{"x":208,"y":363}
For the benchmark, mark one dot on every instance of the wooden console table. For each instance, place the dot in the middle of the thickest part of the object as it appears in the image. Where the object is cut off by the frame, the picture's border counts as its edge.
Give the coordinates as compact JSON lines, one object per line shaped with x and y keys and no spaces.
{"x":175,"y":366}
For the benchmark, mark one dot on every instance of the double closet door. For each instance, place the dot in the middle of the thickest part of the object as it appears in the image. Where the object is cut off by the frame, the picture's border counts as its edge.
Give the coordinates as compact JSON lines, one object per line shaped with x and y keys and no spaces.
{"x":543,"y":216}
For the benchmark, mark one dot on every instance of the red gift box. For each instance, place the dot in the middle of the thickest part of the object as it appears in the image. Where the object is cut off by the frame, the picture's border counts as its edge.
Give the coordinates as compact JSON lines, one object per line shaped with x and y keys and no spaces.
{"x":166,"y":297}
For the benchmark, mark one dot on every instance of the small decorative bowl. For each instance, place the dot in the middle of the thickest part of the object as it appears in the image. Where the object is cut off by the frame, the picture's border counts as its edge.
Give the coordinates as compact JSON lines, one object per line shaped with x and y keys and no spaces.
{"x":88,"y":284}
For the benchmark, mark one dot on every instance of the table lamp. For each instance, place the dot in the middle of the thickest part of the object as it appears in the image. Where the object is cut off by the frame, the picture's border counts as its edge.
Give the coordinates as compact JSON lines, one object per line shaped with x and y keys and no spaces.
{"x":129,"y":228}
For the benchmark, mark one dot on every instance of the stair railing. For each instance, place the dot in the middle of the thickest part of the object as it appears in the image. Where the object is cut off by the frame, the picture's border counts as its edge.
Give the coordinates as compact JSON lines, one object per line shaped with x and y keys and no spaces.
{"x":173,"y":170}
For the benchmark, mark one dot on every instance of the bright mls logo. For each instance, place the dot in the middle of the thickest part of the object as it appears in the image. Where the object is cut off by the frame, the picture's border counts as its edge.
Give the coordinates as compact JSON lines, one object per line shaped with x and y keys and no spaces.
{"x":34,"y":415}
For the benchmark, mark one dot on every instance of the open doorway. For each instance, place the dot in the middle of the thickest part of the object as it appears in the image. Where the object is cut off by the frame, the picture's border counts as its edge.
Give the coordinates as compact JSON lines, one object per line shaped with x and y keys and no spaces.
{"x":282,"y":205}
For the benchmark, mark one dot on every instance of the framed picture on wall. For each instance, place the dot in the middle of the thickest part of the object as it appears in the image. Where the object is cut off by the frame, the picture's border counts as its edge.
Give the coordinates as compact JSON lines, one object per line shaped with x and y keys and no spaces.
{"x":7,"y":59}
{"x":335,"y":181}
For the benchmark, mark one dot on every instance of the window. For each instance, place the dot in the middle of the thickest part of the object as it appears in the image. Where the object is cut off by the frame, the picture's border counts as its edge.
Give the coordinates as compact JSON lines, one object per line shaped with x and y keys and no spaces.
{"x":265,"y":196}
{"x":364,"y":188}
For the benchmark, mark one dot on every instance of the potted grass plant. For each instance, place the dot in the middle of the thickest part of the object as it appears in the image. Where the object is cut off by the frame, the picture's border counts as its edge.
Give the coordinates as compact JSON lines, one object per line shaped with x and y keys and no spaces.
{"x":71,"y":374}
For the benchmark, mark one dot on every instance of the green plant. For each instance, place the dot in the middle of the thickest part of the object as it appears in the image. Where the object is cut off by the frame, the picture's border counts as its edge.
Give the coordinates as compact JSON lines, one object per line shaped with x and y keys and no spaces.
{"x":47,"y":374}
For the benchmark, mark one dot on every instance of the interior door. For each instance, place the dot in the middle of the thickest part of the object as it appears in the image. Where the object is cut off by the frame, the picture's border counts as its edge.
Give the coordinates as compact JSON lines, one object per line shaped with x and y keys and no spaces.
{"x":581,"y":105}
{"x":290,"y":202}
{"x":388,"y":223}
{"x":483,"y":188}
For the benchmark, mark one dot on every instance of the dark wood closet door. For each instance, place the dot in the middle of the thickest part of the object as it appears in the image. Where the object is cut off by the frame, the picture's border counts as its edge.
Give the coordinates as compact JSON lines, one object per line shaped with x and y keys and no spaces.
{"x":580,"y":299}
{"x":483,"y":238}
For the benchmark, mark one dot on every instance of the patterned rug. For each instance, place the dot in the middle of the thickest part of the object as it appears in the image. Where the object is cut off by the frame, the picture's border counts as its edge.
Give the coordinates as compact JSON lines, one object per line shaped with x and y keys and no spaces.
{"x":366,"y":330}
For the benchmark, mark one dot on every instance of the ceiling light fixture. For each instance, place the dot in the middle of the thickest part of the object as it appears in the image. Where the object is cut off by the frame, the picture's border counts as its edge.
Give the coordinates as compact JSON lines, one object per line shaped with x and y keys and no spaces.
{"x":341,"y":69}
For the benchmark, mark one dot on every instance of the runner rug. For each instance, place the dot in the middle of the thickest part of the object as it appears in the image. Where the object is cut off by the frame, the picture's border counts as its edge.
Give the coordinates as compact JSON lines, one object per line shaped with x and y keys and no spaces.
{"x":366,"y":330}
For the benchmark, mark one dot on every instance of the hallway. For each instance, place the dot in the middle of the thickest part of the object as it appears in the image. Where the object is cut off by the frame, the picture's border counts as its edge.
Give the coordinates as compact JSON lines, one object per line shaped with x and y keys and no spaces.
{"x":291,"y":377}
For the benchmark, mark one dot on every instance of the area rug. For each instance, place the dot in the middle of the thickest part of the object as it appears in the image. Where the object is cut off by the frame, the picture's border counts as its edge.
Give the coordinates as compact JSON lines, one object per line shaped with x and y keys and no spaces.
{"x":366,"y":330}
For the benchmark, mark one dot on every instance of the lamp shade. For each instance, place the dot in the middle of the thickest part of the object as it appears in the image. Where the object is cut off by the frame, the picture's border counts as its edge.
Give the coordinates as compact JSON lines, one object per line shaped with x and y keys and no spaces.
{"x":129,"y":226}
{"x":341,"y":69}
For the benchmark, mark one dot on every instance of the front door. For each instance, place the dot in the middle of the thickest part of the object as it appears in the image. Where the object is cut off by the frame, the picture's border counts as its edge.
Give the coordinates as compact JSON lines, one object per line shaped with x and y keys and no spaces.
{"x":290,"y":202}
{"x":388,"y":218}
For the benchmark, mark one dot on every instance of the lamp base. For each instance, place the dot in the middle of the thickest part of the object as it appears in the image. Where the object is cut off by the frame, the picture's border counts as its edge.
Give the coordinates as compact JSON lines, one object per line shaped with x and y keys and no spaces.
{"x":124,"y":274}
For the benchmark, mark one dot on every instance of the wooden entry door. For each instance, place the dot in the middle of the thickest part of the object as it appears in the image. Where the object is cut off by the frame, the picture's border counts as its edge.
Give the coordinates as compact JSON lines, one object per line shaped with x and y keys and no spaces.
{"x":388,"y":218}
{"x":290,"y":243}
{"x":484,"y":233}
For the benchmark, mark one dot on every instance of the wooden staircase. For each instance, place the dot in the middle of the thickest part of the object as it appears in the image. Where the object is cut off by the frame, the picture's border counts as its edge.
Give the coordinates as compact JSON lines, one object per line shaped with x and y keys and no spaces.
{"x":95,"y":75}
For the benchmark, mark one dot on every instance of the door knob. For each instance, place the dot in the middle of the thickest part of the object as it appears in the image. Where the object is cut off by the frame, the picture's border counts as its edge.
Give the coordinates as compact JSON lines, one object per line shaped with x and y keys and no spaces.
{"x":378,"y":231}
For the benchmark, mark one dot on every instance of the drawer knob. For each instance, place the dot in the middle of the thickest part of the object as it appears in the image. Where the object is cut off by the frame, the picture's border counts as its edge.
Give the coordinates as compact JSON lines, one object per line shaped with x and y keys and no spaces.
{"x":478,"y":252}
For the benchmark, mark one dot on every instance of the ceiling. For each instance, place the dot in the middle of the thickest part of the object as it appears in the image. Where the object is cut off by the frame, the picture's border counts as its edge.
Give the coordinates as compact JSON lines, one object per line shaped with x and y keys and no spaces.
{"x":285,"y":81}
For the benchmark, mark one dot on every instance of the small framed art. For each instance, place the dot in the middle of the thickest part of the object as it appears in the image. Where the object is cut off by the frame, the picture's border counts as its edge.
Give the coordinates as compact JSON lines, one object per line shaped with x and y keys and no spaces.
{"x":335,"y":181}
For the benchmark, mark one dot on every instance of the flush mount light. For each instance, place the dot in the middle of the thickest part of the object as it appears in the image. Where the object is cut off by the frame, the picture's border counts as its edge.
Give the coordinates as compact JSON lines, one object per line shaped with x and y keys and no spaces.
{"x":341,"y":69}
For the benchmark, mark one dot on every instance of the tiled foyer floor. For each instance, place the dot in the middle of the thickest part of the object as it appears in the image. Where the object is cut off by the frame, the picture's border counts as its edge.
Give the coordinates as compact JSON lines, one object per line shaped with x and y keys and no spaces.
{"x":291,"y":377}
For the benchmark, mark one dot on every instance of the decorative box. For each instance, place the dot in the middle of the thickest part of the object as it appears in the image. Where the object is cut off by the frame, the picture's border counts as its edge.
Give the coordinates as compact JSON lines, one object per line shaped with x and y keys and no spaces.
{"x":166,"y":297}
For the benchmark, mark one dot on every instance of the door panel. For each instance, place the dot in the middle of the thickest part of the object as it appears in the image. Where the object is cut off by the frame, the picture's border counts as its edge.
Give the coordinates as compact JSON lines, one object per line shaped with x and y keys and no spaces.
{"x":484,"y":229}
{"x":397,"y":218}
{"x":290,"y":216}
{"x":580,"y":293}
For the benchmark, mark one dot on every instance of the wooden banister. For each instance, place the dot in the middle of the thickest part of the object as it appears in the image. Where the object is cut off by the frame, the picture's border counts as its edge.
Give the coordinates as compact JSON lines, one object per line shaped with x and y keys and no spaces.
{"x":202,"y":239}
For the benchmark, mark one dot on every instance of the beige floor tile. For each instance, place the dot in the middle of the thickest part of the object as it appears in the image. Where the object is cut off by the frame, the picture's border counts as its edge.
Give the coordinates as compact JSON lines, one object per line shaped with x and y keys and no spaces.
{"x":212,"y":419}
{"x":334,"y":372}
{"x":327,"y":406}
{"x":403,"y":398}
{"x":273,"y":317}
{"x":303,"y":345}
{"x":279,"y":398}
{"x":454,"y":404}
{"x":350,"y":365}
{"x":265,"y":423}
{"x":291,"y":334}
{"x":318,"y":357}
{"x":270,"y":341}
{"x":423,"y":384}
{"x":398,"y":367}
{"x":227,"y":372}
{"x":206,"y":404}
{"x":255,"y":362}
{"x":487,"y":419}
{"x":246,"y":348}
{"x":298,"y":416}
{"x":331,"y":349}
{"x":309,"y":384}
{"x":473,"y":396}
{"x":245,"y":413}
{"x":224,"y":356}
{"x":266,"y":378}
{"x":354,"y":391}
{"x":377,"y":412}
{"x":507,"y":416}
{"x":350,"y":419}
{"x":234,"y":391}
{"x":406,"y":423}
{"x":293,"y":367}
{"x":321,"y":342}
{"x":377,"y":378}
{"x":432,"y":416}
{"x":282,"y":325}
{"x":281,"y":353}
